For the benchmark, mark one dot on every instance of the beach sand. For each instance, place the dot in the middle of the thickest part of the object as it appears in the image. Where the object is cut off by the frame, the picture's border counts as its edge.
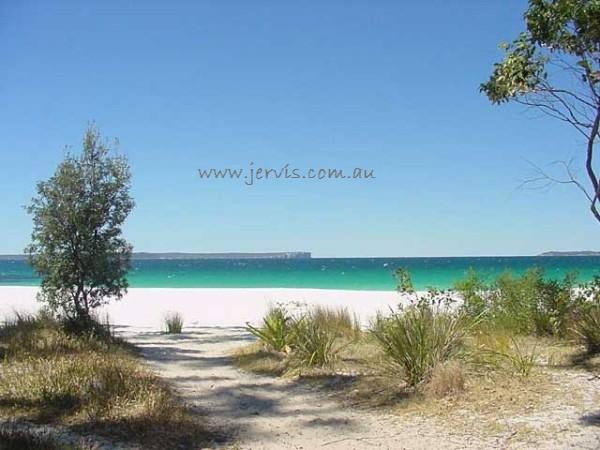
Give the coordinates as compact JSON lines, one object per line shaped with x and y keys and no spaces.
{"x":268,"y":413}
{"x":219,"y":307}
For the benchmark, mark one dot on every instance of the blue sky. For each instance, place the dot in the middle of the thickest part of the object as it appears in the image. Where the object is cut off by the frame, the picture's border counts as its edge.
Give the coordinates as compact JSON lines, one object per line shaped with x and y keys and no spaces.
{"x":391,"y":86}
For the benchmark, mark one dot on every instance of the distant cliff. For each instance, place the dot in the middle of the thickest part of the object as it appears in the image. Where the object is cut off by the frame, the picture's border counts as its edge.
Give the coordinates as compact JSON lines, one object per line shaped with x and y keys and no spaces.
{"x":178,"y":255}
{"x":577,"y":253}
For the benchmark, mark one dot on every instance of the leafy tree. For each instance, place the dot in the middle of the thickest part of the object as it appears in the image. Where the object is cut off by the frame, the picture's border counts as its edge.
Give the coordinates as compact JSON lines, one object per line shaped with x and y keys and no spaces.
{"x":554,"y":66}
{"x":76,"y":245}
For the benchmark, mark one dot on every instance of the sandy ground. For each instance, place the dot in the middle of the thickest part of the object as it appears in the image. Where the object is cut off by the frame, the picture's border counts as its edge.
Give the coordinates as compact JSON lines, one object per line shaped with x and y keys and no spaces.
{"x":146,"y":307}
{"x":271,"y":413}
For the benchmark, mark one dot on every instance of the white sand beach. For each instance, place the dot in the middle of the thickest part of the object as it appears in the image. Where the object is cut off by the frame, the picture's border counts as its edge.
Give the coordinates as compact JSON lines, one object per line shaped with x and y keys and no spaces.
{"x":222,"y":307}
{"x":268,"y":413}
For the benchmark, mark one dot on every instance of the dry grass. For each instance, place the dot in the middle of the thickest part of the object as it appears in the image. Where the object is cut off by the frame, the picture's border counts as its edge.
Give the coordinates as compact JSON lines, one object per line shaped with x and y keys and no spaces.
{"x":337,"y":319}
{"x":256,"y":359}
{"x":89,"y":384}
{"x":446,"y":380}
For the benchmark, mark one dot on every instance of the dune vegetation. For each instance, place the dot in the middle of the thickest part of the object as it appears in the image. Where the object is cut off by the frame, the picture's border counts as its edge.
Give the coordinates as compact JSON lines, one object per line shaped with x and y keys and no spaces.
{"x":90,"y":382}
{"x":488,"y":348}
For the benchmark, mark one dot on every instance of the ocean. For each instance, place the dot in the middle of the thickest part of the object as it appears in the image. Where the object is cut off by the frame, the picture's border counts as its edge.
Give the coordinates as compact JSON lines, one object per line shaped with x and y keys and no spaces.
{"x":321,"y":273}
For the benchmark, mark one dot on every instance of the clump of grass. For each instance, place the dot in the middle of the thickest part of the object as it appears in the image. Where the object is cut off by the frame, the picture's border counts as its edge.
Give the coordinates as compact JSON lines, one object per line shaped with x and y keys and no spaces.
{"x":498,"y":350}
{"x":309,"y":338}
{"x":521,"y":359}
{"x":277,"y":329}
{"x":338,"y":320}
{"x":417,"y":339}
{"x":587,"y":329}
{"x":314,"y":340}
{"x":173,"y":323}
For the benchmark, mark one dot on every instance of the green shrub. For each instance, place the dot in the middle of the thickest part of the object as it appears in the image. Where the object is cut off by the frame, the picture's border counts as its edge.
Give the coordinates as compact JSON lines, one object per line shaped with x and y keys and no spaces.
{"x":417,"y":339}
{"x":173,"y":323}
{"x":542,"y":307}
{"x":527,"y":304}
{"x":473,"y":291}
{"x":276,"y":330}
{"x":404,"y":283}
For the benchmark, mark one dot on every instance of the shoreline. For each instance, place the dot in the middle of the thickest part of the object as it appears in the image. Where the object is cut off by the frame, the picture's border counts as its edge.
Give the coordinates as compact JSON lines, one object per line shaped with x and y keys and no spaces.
{"x":216,"y":307}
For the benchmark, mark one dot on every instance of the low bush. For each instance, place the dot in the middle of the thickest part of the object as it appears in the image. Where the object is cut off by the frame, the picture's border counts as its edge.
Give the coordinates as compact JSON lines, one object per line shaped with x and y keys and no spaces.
{"x":173,"y":323}
{"x":474,"y":293}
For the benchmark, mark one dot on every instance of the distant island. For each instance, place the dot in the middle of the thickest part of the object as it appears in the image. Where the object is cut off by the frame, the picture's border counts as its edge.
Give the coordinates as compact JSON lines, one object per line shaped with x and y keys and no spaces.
{"x":578,"y":253}
{"x":180,"y":255}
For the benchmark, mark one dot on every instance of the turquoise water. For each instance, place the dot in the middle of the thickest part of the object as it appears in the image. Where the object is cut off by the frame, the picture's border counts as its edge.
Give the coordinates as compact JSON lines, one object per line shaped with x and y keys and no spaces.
{"x":323,"y":273}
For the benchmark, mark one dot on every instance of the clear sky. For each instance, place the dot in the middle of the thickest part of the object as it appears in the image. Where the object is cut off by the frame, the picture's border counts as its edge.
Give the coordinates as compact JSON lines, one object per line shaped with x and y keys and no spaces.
{"x":390,"y":86}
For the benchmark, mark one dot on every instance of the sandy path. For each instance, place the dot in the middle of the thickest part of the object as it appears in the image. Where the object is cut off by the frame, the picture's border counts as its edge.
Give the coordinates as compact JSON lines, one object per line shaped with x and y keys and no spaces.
{"x":271,"y":413}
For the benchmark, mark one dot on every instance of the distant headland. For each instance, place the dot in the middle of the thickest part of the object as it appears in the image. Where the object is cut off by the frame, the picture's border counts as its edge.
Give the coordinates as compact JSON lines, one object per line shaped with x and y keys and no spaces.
{"x":180,"y":255}
{"x":575,"y":253}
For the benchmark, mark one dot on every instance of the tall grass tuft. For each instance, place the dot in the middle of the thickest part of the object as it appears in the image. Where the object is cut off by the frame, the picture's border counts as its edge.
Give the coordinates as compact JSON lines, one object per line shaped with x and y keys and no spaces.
{"x":417,"y":339}
{"x":587,"y":329}
{"x":173,"y":323}
{"x":338,"y":320}
{"x":308,"y":338}
{"x":276,"y":330}
{"x":521,"y":359}
{"x":497,"y":349}
{"x":314,"y":342}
